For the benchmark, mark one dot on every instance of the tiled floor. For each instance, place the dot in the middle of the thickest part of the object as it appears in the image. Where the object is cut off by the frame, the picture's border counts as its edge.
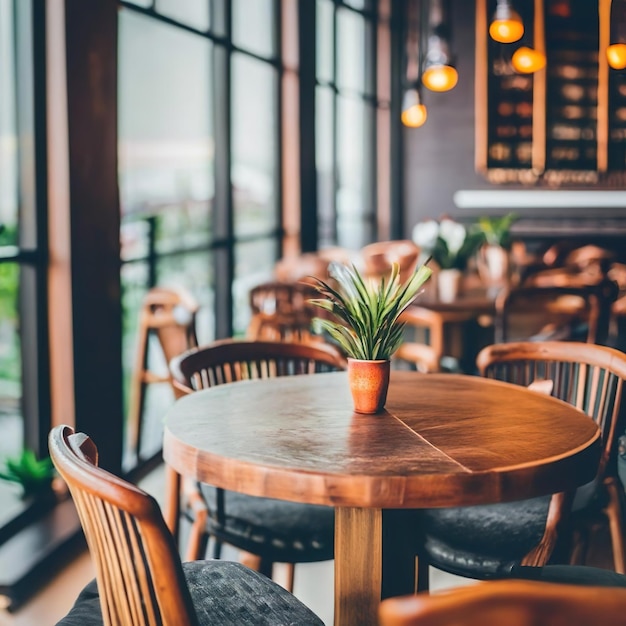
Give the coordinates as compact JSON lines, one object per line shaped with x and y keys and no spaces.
{"x":313,"y":584}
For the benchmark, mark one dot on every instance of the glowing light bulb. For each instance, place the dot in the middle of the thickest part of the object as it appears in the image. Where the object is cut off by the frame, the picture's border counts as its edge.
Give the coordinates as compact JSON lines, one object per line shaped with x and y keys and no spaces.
{"x":414,"y":116}
{"x":414,"y":113}
{"x":440,"y":77}
{"x":616,"y":56}
{"x":506,"y":31}
{"x":526,"y":60}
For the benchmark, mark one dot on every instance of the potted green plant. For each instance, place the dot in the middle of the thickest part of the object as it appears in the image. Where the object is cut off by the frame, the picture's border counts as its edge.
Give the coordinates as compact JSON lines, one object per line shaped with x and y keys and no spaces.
{"x":450,"y":245}
{"x":493,"y":255}
{"x":34,"y":475}
{"x":367,"y":326}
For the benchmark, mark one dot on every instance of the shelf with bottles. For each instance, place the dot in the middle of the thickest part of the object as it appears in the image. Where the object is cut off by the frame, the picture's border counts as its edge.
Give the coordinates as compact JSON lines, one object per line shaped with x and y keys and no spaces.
{"x":563,"y":124}
{"x":572,"y":40}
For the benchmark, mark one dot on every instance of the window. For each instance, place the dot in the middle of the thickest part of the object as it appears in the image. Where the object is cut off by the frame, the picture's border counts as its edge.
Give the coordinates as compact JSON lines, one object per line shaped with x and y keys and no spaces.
{"x":199,"y":146}
{"x":24,"y":387}
{"x":346,"y":119}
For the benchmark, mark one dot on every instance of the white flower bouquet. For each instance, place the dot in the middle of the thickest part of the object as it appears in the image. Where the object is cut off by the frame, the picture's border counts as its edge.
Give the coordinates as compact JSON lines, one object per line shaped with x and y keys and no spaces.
{"x":448,"y":242}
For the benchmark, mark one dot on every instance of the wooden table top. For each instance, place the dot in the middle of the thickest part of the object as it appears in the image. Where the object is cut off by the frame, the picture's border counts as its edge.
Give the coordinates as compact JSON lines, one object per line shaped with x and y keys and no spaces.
{"x":443,"y":440}
{"x":473,"y":299}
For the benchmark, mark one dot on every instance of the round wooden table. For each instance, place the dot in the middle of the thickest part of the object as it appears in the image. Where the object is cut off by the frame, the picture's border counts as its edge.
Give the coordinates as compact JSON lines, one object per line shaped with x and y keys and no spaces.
{"x":443,"y":440}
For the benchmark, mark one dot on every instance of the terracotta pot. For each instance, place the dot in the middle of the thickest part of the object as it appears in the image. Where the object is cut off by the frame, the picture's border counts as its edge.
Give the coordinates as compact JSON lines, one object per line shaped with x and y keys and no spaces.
{"x":369,"y":381}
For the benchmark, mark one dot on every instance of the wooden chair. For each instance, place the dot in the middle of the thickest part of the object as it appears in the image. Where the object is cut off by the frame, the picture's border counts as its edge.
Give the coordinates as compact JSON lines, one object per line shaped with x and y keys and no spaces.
{"x":440,"y":331}
{"x":423,"y":357}
{"x":568,"y":311}
{"x":301,"y":267}
{"x":378,"y":257}
{"x":140,"y":579}
{"x":281,"y":312}
{"x":511,"y":603}
{"x":270,"y":531}
{"x":487,"y":541}
{"x":169,"y":315}
{"x":423,"y":345}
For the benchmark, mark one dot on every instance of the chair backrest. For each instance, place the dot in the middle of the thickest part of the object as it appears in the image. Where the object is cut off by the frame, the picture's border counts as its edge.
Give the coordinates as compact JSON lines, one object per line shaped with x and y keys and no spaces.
{"x":510,"y":602}
{"x":422,"y":356}
{"x":170,"y":316}
{"x":139,"y":574}
{"x":588,"y":376}
{"x":231,"y":360}
{"x":282,"y":312}
{"x":378,"y":257}
{"x":301,"y":267}
{"x":546,"y":313}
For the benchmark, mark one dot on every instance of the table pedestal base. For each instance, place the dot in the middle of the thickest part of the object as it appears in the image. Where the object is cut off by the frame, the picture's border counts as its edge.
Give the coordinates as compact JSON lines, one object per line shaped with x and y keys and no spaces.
{"x":374,"y":559}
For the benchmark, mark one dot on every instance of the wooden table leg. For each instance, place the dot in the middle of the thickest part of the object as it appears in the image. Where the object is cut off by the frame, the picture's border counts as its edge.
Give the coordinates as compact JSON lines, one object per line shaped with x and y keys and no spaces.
{"x":172,"y":500}
{"x":358,"y":566}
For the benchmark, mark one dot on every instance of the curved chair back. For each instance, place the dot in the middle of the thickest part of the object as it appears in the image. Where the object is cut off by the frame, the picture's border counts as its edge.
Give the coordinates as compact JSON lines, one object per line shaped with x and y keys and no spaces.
{"x":300,"y":267}
{"x":139,"y":573}
{"x":422,"y":356}
{"x":231,"y":360}
{"x":170,"y":316}
{"x":281,"y":312}
{"x":546,"y":313}
{"x":518,"y":602}
{"x":588,"y":376}
{"x":378,"y":257}
{"x":591,"y":378}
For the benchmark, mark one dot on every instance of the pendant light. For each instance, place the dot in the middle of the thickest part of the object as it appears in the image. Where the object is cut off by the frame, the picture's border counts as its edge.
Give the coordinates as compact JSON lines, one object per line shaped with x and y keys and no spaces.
{"x":507,"y":25}
{"x":616,"y":52}
{"x":616,"y":56}
{"x":414,"y":113}
{"x":439,"y":74}
{"x":528,"y":60}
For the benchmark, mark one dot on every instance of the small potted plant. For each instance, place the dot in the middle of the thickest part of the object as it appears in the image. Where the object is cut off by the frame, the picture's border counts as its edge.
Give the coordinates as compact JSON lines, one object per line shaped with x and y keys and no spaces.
{"x":451,"y":246}
{"x":493,"y":255}
{"x":366,"y":326}
{"x":34,"y":475}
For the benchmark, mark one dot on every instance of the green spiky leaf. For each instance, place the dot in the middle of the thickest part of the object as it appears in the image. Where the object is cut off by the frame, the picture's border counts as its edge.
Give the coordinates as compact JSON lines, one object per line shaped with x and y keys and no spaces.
{"x":366,"y":312}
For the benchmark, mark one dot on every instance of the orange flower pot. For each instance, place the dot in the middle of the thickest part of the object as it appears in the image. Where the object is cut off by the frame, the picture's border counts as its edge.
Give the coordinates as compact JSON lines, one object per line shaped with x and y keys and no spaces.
{"x":369,"y":381}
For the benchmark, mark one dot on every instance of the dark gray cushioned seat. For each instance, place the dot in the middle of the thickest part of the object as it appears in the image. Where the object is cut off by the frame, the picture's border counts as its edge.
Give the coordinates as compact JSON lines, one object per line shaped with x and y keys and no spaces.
{"x":570,"y":575}
{"x":223,"y":593}
{"x":482,"y":541}
{"x":283,"y":532}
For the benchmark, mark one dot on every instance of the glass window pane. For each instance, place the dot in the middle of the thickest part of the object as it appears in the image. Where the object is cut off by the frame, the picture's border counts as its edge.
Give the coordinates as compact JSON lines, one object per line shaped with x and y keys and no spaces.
{"x":181,"y":225}
{"x":135,"y":237}
{"x":325,"y":158}
{"x":354,"y":194}
{"x":11,"y":441}
{"x":254,"y":147}
{"x":351,"y":50}
{"x":134,"y":277}
{"x":192,"y":12}
{"x":193,"y":271}
{"x":165,"y":131}
{"x":325,"y":40}
{"x":8,"y":134}
{"x":359,"y":4}
{"x":254,"y":264}
{"x":253,"y":26}
{"x":142,"y":3}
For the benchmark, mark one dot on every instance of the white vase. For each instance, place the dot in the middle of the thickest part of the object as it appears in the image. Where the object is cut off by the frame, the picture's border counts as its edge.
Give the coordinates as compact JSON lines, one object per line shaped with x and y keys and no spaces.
{"x":448,"y":284}
{"x":493,"y":265}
